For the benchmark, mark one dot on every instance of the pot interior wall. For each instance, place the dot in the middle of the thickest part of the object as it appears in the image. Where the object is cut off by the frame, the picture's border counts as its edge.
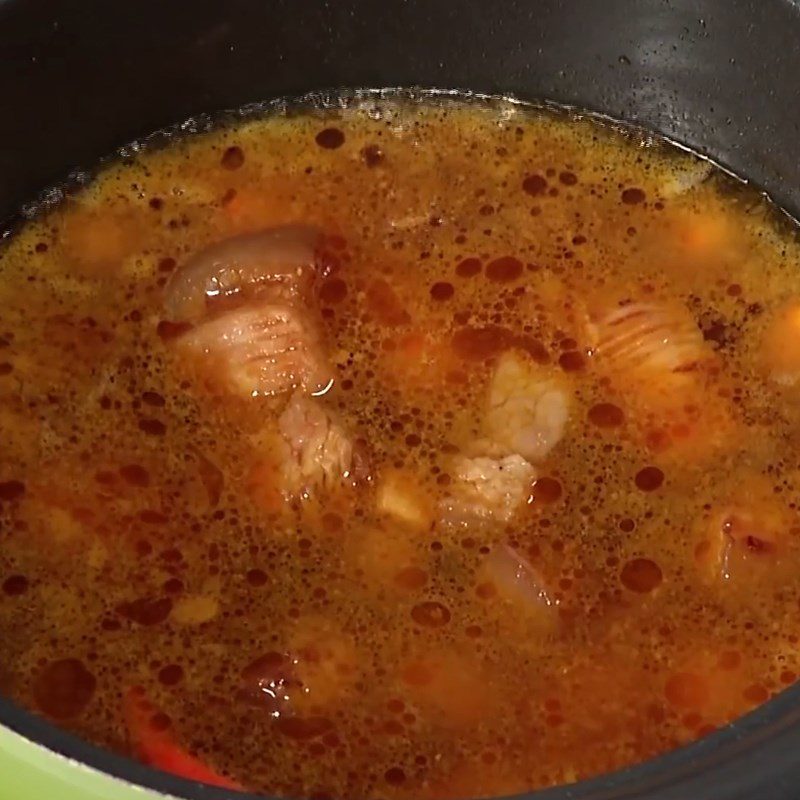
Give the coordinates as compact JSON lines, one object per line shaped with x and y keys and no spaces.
{"x":79,"y":80}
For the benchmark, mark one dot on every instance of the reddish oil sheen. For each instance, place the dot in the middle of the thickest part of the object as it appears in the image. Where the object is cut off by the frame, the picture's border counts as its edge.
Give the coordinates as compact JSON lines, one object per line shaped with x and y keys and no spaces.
{"x":534,"y":185}
{"x":478,"y":344}
{"x":649,"y":479}
{"x":546,"y":490}
{"x":633,"y":196}
{"x":430,"y":614}
{"x":232,"y":158}
{"x":333,"y":291}
{"x":641,"y":575}
{"x":64,"y":688}
{"x":330,"y":138}
{"x":383,"y":302}
{"x":504,"y":270}
{"x":442,"y":291}
{"x":606,"y":415}
{"x":468,"y":267}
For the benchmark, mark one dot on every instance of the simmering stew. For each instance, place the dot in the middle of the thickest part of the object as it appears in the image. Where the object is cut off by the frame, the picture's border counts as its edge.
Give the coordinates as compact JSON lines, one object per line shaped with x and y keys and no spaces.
{"x":401,"y":449}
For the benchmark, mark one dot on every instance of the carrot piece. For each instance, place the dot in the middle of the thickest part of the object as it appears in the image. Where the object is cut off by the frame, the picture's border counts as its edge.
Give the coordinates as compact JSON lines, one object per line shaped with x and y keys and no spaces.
{"x":97,"y":244}
{"x":412,"y":347}
{"x":154,"y":744}
{"x":705,"y":233}
{"x":248,"y":210}
{"x":383,"y":302}
{"x":264,"y":486}
{"x":402,"y":499}
{"x":780,"y":346}
{"x":449,"y":687}
{"x":419,"y":360}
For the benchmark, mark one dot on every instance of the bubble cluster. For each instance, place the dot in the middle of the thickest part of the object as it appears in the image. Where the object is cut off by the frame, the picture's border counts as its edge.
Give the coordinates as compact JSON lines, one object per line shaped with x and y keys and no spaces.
{"x":322,"y":648}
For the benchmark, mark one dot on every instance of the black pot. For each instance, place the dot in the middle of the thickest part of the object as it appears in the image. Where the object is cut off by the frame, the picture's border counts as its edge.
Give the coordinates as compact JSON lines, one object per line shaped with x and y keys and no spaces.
{"x":79,"y":79}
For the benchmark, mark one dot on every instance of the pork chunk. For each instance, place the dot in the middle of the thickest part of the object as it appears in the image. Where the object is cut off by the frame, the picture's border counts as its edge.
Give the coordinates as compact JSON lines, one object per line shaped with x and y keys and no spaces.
{"x":319,"y":450}
{"x":487,"y":489}
{"x":527,"y":409}
{"x":261,"y":350}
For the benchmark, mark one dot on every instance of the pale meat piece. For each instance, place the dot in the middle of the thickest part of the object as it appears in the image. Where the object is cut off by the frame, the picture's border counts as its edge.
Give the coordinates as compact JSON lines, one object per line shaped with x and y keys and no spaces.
{"x":528,"y":408}
{"x":248,"y":302}
{"x":747,"y":540}
{"x":780,"y":347}
{"x":262,"y":349}
{"x":520,"y":585}
{"x":279,"y":260}
{"x":680,"y":179}
{"x":659,"y":364}
{"x":487,"y":489}
{"x":319,"y":451}
{"x":400,"y":497}
{"x":644,"y":339}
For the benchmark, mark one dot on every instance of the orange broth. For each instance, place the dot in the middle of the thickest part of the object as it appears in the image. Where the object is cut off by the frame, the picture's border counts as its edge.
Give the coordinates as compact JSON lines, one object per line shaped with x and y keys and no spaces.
{"x":352,"y":642}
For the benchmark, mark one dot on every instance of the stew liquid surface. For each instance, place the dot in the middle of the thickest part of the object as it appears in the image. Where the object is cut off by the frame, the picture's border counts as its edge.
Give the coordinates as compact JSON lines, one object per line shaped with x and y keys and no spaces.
{"x":402,"y":450}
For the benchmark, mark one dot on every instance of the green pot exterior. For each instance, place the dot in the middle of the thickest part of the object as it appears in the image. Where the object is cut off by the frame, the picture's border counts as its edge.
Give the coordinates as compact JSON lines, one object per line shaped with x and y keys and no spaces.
{"x":29,"y":771}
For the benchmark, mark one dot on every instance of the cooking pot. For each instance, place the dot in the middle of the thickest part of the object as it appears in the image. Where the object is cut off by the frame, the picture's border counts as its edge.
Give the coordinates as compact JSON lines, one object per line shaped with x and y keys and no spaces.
{"x":80,"y":79}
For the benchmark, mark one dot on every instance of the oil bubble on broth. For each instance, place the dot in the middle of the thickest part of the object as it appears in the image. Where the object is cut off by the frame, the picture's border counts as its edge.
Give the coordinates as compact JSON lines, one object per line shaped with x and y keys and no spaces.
{"x":402,"y":447}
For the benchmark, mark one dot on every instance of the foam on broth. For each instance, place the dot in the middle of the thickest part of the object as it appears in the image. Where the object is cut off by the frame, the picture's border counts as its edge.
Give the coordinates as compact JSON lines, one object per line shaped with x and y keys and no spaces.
{"x":327,"y":647}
